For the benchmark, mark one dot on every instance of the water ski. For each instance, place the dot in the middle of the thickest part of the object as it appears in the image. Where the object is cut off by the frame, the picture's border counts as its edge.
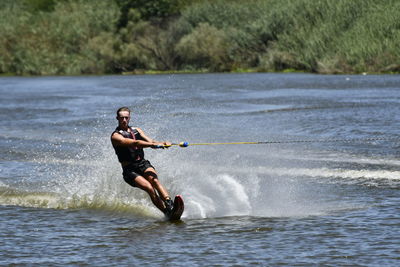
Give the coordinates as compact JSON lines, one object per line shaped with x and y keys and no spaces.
{"x":177,"y":210}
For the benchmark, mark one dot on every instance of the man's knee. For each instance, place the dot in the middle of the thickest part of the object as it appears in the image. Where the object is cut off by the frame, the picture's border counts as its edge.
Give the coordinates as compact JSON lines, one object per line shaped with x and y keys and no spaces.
{"x":155,"y":182}
{"x":151,"y":177}
{"x":144,"y":184}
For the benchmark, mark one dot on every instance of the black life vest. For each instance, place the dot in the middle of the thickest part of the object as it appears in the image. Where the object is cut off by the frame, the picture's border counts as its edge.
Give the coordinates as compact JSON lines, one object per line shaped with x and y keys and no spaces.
{"x":130,"y":154}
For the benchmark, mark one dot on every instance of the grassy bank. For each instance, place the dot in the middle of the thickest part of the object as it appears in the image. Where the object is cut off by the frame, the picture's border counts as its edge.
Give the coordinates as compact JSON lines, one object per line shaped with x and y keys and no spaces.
{"x":51,"y":37}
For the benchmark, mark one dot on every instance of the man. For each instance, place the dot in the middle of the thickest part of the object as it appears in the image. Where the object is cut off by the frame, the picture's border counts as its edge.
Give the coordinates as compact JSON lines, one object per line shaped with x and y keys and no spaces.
{"x":128,"y":143}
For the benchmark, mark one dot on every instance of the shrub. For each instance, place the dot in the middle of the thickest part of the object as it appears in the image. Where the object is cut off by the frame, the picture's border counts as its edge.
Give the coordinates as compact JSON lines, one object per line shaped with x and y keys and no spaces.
{"x":52,"y":42}
{"x":205,"y":47}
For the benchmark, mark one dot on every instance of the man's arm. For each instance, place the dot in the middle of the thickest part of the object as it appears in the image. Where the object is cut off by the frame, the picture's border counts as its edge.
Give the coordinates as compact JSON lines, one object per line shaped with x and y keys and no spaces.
{"x":144,"y":136}
{"x":118,"y":140}
{"x":148,"y":139}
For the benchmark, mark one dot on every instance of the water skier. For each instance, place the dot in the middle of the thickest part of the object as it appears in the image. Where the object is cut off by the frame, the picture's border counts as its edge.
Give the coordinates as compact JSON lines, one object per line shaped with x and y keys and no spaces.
{"x":128,"y":143}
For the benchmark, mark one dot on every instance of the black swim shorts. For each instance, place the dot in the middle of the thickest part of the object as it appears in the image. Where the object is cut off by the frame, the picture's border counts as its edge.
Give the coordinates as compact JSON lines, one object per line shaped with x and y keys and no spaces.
{"x":135,"y":169}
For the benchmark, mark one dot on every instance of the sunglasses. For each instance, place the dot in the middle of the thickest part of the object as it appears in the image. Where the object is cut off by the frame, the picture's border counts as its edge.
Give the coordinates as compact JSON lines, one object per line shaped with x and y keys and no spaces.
{"x":123,"y":117}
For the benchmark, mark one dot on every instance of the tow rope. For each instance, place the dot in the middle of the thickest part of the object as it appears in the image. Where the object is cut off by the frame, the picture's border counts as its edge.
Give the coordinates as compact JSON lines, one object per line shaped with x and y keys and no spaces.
{"x":353,"y":140}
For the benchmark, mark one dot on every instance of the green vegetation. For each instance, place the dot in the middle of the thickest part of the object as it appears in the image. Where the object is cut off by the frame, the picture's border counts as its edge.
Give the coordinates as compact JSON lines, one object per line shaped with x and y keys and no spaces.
{"x":56,"y":37}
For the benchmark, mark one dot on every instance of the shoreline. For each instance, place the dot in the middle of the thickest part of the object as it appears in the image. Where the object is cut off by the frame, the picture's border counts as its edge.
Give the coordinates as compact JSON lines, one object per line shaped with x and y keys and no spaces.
{"x":168,"y":72}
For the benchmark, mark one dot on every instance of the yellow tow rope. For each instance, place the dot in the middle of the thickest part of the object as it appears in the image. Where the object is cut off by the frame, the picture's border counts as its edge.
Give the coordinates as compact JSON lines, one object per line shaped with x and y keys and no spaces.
{"x":186,"y":144}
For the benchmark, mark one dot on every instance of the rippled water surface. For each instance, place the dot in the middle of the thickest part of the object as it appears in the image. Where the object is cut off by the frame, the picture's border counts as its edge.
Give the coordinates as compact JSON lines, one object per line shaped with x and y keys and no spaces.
{"x":324,"y":190}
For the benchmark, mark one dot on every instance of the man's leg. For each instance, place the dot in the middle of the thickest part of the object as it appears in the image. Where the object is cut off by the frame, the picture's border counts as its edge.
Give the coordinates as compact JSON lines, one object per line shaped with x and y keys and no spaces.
{"x":145,"y":185}
{"x":151,"y":176}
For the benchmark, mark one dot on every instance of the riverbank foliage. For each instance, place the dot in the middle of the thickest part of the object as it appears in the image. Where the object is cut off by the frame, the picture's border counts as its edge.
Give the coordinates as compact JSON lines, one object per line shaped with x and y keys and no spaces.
{"x":68,"y":37}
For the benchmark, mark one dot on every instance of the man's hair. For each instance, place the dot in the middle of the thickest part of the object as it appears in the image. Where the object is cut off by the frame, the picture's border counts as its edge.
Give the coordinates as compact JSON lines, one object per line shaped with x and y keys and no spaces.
{"x":123,"y":109}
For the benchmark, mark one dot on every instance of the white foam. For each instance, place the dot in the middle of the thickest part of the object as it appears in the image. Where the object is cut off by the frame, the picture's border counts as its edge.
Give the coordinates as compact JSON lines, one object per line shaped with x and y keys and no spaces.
{"x":338,"y":157}
{"x":217,"y":196}
{"x":336,"y":173}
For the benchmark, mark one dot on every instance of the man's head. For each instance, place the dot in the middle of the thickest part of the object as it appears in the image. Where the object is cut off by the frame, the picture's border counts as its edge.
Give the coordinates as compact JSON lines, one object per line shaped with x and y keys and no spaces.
{"x":123,"y":116}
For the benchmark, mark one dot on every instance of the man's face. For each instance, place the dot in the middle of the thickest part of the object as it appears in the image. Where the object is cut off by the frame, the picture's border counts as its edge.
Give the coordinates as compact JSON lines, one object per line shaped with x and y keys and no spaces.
{"x":123,"y":118}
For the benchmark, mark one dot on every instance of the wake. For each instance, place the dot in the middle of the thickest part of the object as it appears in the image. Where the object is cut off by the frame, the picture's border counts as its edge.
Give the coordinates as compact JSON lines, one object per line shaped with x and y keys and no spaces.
{"x":50,"y":200}
{"x":209,"y":190}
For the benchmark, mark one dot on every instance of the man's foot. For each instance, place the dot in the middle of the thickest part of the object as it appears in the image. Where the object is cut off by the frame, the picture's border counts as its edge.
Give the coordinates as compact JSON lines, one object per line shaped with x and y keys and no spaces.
{"x":169,"y":205}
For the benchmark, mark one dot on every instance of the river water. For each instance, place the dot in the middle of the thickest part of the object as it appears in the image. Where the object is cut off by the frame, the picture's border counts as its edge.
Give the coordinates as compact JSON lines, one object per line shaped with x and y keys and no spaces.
{"x":334,"y":202}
